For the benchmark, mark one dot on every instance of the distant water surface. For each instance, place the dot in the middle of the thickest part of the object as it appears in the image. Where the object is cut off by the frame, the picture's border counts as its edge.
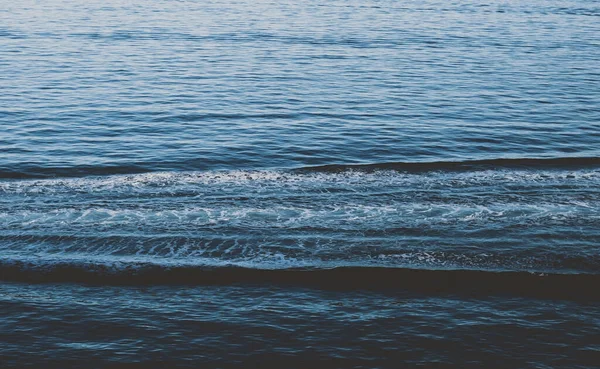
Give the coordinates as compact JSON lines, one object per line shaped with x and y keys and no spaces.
{"x":247,"y":183}
{"x":182,"y":85}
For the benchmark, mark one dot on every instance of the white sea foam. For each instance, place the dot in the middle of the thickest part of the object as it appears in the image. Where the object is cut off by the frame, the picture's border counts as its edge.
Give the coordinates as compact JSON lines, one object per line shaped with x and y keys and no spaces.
{"x":334,"y":216}
{"x":284,"y":218}
{"x":174,"y":181}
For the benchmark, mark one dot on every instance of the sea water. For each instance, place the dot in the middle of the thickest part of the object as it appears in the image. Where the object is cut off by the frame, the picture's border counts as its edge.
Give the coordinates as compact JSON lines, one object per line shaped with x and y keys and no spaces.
{"x":282,"y":184}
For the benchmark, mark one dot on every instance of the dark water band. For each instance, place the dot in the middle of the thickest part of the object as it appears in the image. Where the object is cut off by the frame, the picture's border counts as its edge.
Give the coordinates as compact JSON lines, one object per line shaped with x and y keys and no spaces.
{"x":460,"y":166}
{"x":39,"y":172}
{"x":461,"y":282}
{"x":33,"y":171}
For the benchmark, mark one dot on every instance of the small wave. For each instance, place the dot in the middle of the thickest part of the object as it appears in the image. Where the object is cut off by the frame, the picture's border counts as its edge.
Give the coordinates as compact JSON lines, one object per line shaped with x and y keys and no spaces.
{"x":468,"y":165}
{"x":40,"y":172}
{"x":290,"y":252}
{"x":37,"y":172}
{"x":422,"y":281}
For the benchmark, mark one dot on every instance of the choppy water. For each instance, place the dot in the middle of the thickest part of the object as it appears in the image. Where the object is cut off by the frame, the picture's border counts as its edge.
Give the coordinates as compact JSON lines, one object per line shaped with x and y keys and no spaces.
{"x":260,"y":182}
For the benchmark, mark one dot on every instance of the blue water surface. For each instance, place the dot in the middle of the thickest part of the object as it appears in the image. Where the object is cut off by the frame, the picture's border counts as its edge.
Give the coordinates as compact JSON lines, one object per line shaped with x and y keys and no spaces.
{"x":262,"y":183}
{"x":195,"y":85}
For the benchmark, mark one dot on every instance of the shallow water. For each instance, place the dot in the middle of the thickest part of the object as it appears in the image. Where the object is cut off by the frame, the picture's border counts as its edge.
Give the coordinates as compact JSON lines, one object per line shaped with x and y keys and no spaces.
{"x":262,"y":326}
{"x":245,"y":183}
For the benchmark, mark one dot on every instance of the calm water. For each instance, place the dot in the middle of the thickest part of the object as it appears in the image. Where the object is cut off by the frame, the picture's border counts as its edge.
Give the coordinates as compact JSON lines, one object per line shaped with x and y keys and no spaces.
{"x":340,"y":184}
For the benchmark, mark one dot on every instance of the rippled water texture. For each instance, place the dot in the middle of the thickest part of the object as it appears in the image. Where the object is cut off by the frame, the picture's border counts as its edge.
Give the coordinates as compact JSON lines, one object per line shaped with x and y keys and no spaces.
{"x":272,"y":327}
{"x":268,"y":183}
{"x":255,"y":84}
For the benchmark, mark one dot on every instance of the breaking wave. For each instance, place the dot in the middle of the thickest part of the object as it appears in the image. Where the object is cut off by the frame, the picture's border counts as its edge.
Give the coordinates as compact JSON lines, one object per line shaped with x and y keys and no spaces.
{"x":496,"y":216}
